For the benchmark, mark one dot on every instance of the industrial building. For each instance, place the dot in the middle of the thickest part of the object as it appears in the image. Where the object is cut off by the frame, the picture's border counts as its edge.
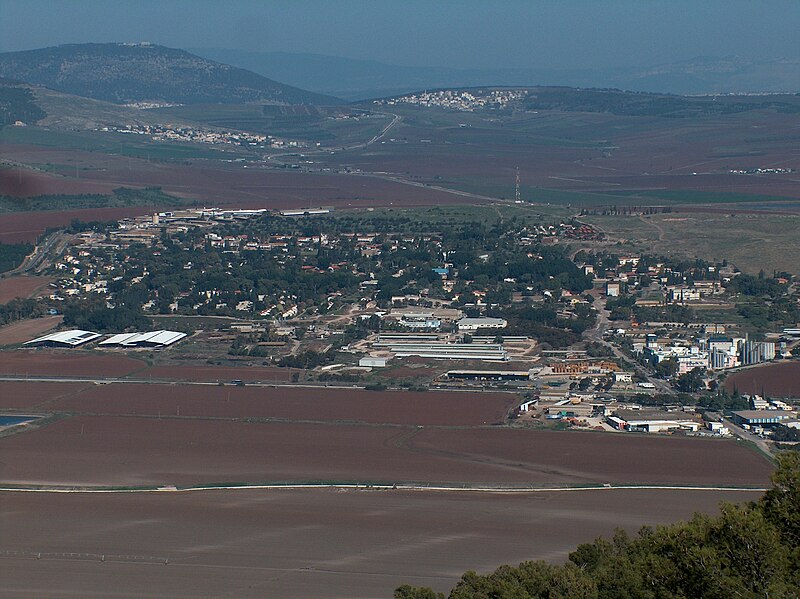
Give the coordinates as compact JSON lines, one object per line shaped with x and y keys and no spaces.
{"x":651,"y":421}
{"x":762,"y":417}
{"x":373,"y":362}
{"x":71,"y":338}
{"x":489,"y":375}
{"x":467,"y":324}
{"x":573,"y":408}
{"x":153,"y":339}
{"x":491,"y":352}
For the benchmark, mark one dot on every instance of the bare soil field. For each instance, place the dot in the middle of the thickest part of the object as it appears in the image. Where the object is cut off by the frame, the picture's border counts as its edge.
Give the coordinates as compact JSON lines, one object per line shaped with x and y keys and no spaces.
{"x":775,"y":380}
{"x":599,"y":153}
{"x":216,"y":373}
{"x":593,"y":455}
{"x":294,"y":403}
{"x":302,"y":544}
{"x":25,"y":330}
{"x":180,"y":451}
{"x":212,"y":182}
{"x":18,"y":227}
{"x":22,"y":286}
{"x":25,"y":395}
{"x":47,"y":362}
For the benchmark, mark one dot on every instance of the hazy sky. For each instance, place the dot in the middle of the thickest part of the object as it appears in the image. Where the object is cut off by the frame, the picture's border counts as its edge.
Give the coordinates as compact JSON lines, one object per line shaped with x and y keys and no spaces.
{"x":457,"y":33}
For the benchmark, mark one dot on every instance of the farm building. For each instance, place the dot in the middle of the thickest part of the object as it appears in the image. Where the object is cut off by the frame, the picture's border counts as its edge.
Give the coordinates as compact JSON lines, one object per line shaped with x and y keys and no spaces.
{"x":151,"y":339}
{"x":71,"y":338}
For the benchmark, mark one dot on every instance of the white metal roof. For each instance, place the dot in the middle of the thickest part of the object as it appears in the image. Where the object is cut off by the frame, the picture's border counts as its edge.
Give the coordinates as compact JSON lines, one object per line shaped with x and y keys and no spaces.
{"x":72,"y":337}
{"x":119,"y":339}
{"x":162,"y":338}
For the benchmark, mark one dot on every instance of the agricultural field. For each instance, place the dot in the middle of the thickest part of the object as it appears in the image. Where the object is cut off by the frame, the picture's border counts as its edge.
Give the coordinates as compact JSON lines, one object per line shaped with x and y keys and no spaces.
{"x":25,"y":330}
{"x":21,"y":286}
{"x":363,"y":542}
{"x":750,"y":241}
{"x":75,"y":363}
{"x":317,"y":404}
{"x":181,"y":450}
{"x":773,"y":380}
{"x":304,"y":543}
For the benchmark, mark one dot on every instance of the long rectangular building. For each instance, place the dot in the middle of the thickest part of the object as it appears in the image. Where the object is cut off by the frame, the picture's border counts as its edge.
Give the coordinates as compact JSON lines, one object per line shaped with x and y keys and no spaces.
{"x":492,"y":352}
{"x":761,"y":417}
{"x":71,"y":338}
{"x":151,"y":339}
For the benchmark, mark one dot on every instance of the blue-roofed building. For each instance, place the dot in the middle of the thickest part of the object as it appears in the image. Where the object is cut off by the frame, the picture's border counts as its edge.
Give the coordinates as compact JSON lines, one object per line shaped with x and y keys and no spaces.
{"x":762,"y":417}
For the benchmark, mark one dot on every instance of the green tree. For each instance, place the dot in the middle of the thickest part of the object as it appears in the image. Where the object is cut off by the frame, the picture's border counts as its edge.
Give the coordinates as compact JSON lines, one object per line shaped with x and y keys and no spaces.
{"x":408,"y":592}
{"x":692,"y":381}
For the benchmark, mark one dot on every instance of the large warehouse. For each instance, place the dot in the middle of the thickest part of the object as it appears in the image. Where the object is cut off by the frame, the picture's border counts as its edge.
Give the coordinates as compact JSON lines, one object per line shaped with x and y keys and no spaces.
{"x":71,"y":338}
{"x":653,"y":421}
{"x":762,"y":417}
{"x":151,"y":339}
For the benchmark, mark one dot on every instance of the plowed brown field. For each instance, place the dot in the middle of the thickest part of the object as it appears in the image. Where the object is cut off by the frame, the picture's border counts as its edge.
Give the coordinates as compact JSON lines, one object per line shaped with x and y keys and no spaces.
{"x":775,"y":380}
{"x":45,"y":362}
{"x":151,"y":451}
{"x":300,"y":544}
{"x":22,"y":286}
{"x":293,"y":403}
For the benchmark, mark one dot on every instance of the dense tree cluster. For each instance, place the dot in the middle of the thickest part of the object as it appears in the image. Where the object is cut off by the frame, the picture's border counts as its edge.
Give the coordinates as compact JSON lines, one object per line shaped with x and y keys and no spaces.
{"x":120,"y":197}
{"x":748,"y":551}
{"x":17,"y":103}
{"x":628,"y":103}
{"x":19,"y":308}
{"x":12,"y":255}
{"x":546,"y":325}
{"x":757,"y":286}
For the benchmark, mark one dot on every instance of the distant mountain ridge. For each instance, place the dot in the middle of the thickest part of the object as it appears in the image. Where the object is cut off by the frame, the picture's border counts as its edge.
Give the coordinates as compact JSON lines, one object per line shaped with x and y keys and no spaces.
{"x":142,"y":72}
{"x":364,"y":79}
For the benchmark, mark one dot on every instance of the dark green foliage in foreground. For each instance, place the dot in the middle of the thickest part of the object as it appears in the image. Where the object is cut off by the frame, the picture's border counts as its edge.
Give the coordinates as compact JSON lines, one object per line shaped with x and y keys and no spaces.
{"x":748,"y":551}
{"x":12,"y":255}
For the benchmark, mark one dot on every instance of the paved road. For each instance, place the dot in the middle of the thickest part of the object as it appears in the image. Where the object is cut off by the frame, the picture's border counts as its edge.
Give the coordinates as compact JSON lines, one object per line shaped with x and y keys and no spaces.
{"x":396,"y":118}
{"x":54,"y":243}
{"x":738,"y":431}
{"x":110,"y":380}
{"x":596,"y":334}
{"x":381,"y":487}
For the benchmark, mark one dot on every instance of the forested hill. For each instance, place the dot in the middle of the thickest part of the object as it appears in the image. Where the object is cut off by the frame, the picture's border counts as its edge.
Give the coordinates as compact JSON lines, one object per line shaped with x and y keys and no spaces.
{"x":17,"y":103}
{"x":128,"y":73}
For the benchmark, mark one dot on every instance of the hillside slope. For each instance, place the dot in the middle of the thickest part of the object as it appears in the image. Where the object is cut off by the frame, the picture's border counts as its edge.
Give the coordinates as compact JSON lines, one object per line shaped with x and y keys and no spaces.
{"x":147,"y":73}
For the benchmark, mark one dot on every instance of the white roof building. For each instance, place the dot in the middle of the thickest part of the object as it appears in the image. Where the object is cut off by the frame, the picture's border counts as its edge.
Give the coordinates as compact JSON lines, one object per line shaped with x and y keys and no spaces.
{"x":151,"y":339}
{"x":474,"y":324}
{"x":71,"y":338}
